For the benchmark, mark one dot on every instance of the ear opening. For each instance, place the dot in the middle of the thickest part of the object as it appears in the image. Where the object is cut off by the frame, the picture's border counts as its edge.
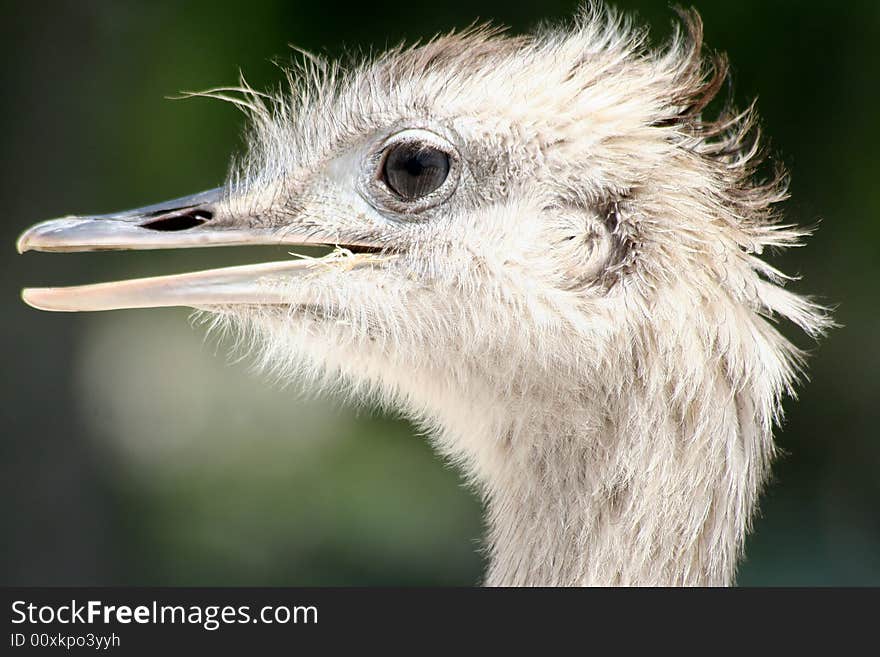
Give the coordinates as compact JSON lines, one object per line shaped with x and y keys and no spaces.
{"x":594,"y":244}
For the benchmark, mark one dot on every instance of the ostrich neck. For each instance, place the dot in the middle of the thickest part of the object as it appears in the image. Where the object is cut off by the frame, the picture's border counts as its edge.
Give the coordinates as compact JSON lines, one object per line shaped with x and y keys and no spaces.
{"x":659,"y":491}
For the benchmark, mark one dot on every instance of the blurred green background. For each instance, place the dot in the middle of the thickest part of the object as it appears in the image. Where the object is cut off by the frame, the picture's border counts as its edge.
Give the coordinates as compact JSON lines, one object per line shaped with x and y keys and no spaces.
{"x":135,"y":452}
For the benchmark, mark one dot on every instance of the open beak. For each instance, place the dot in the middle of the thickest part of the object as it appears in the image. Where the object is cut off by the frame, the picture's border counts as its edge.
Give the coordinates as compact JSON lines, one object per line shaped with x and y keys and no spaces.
{"x":193,"y":221}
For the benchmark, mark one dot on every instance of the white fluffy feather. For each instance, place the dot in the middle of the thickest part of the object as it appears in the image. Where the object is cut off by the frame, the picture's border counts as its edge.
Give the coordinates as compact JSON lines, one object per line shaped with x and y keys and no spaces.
{"x":585,"y":330}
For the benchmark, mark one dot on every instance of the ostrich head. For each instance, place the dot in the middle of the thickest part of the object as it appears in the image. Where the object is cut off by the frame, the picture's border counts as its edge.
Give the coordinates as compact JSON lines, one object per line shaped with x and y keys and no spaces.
{"x":546,"y":255}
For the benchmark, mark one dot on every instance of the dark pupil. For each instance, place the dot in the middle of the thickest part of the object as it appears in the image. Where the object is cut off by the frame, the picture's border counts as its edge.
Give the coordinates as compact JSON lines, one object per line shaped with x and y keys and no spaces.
{"x":415,"y":170}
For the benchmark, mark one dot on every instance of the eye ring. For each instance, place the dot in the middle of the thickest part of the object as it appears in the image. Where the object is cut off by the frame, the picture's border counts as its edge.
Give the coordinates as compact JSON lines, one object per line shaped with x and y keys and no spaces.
{"x":413,"y":170}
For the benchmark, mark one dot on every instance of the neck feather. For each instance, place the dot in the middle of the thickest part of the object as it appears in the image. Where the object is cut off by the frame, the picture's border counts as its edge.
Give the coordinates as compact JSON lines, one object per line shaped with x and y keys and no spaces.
{"x":651,"y":481}
{"x":601,"y":509}
{"x":639,"y":463}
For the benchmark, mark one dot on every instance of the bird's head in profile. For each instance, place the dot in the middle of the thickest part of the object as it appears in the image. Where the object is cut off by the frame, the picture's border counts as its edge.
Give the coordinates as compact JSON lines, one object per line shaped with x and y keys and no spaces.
{"x":519,"y":221}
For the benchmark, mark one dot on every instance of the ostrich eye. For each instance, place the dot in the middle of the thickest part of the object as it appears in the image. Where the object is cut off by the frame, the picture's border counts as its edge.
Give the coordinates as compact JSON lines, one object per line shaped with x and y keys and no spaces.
{"x":413,"y":170}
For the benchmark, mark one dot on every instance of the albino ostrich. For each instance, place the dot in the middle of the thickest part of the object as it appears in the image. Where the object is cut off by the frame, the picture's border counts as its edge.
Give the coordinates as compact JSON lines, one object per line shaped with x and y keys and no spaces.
{"x":545,"y":254}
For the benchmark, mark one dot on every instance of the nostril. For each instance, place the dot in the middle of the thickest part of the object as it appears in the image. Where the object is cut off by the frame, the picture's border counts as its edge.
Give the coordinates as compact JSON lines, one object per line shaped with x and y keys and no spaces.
{"x":181,"y":221}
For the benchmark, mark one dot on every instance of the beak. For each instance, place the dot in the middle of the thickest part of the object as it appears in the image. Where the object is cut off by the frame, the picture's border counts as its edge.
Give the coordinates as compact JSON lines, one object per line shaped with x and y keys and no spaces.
{"x":203,"y":219}
{"x":197,"y":220}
